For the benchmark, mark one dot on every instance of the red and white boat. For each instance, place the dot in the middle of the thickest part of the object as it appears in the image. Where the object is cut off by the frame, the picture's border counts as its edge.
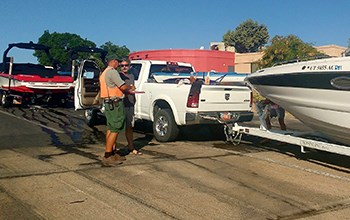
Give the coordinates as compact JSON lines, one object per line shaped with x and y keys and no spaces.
{"x":27,"y":83}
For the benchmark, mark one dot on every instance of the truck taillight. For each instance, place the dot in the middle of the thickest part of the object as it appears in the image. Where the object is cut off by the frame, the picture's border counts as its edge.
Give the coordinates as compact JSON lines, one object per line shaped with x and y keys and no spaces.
{"x":193,"y":100}
{"x":251,"y":99}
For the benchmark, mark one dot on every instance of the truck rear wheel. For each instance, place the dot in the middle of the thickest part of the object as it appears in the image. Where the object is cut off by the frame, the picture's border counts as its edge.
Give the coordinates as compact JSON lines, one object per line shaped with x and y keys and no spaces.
{"x":164,"y":126}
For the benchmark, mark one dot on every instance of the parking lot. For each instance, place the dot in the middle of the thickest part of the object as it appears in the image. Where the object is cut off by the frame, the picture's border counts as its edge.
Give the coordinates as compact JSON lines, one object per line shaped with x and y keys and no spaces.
{"x":50,"y":169}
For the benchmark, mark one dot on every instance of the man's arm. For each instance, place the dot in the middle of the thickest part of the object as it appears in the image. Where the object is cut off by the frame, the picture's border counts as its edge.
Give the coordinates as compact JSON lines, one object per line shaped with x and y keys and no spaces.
{"x":125,"y":88}
{"x":118,"y":81}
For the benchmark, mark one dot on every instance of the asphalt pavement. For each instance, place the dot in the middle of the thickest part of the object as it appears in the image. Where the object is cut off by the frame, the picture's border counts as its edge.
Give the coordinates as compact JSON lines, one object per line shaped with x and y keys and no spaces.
{"x":55,"y":176}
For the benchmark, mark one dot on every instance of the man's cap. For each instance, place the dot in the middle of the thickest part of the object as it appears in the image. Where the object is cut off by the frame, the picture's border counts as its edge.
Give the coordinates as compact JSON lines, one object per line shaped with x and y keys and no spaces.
{"x":112,"y":57}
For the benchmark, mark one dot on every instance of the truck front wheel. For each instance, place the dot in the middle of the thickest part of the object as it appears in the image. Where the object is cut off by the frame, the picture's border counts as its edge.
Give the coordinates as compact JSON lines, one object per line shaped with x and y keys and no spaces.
{"x":91,"y":117}
{"x":164,"y":126}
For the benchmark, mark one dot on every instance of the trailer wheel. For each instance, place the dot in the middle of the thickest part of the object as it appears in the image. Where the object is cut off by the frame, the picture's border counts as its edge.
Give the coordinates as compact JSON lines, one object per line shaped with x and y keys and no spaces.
{"x":5,"y":100}
{"x":62,"y":102}
{"x":164,"y":126}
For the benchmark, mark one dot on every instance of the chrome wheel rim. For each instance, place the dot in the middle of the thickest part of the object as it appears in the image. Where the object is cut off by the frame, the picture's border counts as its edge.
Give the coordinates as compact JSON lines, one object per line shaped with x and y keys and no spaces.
{"x":3,"y":99}
{"x":162,"y":126}
{"x":88,"y":114}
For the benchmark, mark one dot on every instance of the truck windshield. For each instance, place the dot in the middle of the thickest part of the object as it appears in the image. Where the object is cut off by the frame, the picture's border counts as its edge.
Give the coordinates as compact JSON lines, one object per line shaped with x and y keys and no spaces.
{"x":170,"y":69}
{"x":135,"y":70}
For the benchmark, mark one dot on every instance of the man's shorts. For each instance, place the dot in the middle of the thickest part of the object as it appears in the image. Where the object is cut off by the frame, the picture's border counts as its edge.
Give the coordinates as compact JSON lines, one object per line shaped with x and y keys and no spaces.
{"x":129,"y":116}
{"x":277,"y":112}
{"x":115,"y":117}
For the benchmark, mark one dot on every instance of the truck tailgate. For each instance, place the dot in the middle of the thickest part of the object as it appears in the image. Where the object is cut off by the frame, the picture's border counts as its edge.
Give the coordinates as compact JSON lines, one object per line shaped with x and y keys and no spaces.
{"x":224,"y":98}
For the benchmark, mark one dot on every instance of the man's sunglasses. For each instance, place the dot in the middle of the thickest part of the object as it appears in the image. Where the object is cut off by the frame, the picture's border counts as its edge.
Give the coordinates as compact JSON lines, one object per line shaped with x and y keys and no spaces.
{"x":124,"y":65}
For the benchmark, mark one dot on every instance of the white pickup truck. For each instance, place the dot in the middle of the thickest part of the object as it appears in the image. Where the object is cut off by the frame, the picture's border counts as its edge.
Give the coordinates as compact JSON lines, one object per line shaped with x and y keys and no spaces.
{"x":169,"y":105}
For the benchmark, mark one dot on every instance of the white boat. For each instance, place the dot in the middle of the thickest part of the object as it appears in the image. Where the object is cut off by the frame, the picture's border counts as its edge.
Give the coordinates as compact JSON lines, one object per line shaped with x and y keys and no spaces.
{"x":215,"y":77}
{"x":316,"y":92}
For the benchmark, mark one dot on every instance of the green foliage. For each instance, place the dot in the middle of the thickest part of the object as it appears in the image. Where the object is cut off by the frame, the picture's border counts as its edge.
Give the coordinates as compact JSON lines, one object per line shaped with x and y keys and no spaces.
{"x":286,"y":49}
{"x":248,"y":37}
{"x":121,"y":52}
{"x":256,"y":96}
{"x":59,"y":42}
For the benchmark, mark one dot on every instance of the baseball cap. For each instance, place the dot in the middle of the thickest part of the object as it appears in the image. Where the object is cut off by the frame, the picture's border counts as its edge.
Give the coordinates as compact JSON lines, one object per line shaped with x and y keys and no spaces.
{"x":112,"y":57}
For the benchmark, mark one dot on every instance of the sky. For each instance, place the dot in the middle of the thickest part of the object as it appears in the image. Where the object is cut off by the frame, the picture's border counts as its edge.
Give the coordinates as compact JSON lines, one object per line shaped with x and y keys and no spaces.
{"x":169,"y":24}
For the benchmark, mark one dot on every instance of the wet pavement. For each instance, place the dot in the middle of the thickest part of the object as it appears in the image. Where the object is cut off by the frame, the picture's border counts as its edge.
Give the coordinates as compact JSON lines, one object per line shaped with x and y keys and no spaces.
{"x":50,"y":169}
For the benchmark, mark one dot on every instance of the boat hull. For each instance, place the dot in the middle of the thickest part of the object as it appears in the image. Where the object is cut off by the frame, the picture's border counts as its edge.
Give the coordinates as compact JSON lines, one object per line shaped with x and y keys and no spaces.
{"x":308,"y":105}
{"x":19,"y":90}
{"x":17,"y":84}
{"x":315,"y":92}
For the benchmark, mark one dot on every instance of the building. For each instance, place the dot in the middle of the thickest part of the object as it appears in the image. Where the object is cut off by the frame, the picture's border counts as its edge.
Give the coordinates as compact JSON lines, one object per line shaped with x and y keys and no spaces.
{"x":202,"y":60}
{"x":331,"y":50}
{"x":221,"y":46}
{"x":219,"y":58}
{"x":247,"y":62}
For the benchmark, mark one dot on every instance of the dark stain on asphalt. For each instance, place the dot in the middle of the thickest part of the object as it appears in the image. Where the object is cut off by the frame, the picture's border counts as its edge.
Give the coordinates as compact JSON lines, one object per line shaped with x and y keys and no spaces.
{"x":76,"y":135}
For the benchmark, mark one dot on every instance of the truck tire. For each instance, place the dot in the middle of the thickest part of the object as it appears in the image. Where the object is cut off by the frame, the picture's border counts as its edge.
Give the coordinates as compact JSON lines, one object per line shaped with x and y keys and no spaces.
{"x":164,"y":126}
{"x":5,"y":100}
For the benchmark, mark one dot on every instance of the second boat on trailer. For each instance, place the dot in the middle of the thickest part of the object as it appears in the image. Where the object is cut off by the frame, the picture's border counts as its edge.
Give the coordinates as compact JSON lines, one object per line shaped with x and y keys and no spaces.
{"x":28,"y":83}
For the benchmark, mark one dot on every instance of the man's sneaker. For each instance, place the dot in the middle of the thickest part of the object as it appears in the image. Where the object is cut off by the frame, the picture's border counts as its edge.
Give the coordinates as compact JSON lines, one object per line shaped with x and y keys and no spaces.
{"x":111,"y":161}
{"x":119,"y":158}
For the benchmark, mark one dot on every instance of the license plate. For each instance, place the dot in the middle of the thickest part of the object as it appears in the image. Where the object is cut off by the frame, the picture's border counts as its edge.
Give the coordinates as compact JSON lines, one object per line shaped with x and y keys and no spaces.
{"x":225,"y":115}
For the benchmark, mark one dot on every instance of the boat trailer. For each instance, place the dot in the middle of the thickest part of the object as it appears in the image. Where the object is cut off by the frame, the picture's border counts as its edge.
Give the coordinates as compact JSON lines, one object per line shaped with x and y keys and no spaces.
{"x":234,"y":133}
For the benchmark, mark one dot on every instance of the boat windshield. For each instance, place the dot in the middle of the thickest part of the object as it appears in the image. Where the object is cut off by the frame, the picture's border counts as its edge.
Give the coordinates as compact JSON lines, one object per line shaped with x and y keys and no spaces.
{"x":31,"y":69}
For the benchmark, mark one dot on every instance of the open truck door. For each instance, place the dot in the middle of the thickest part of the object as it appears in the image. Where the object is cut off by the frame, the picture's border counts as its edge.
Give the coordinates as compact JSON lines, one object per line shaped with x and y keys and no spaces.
{"x":87,"y":85}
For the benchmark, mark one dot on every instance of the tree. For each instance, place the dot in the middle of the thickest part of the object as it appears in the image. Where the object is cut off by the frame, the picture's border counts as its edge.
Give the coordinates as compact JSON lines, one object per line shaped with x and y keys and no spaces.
{"x":111,"y":48}
{"x":347,"y":51}
{"x":248,"y":37}
{"x":59,"y":42}
{"x":285,"y":49}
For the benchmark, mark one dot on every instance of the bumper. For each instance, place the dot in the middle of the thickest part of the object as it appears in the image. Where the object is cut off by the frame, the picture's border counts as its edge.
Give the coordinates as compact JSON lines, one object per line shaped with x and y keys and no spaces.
{"x":215,"y":117}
